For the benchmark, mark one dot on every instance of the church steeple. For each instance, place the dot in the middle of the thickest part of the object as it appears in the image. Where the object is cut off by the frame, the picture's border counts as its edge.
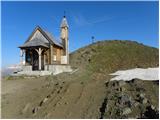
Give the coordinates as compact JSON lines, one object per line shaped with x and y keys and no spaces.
{"x":64,"y":22}
{"x":64,"y":38}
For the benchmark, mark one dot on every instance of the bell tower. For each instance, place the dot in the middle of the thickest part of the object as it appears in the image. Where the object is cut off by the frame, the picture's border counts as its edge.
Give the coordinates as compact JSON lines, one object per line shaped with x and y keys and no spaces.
{"x":64,"y":38}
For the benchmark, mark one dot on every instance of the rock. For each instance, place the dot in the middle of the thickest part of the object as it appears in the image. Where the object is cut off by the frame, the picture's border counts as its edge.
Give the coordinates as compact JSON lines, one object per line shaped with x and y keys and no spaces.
{"x":144,"y":101}
{"x":136,"y":104}
{"x":26,"y":108}
{"x":106,"y":83}
{"x":150,"y":113}
{"x":124,"y":99}
{"x":152,"y":107}
{"x":122,"y":83}
{"x":48,"y":96}
{"x":35,"y":110}
{"x":122,"y":89}
{"x":45,"y":99}
{"x":113,"y":84}
{"x":126,"y":111}
{"x":40,"y":104}
{"x":142,"y":95}
{"x":57,"y":84}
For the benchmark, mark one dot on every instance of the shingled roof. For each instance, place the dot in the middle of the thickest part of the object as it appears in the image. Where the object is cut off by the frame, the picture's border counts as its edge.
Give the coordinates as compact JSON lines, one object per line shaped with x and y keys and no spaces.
{"x":34,"y":43}
{"x":53,"y":39}
{"x":39,"y":41}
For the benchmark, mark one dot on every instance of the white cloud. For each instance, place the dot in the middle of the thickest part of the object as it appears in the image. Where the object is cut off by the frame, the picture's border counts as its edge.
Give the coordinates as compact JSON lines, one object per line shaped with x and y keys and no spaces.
{"x":81,"y":20}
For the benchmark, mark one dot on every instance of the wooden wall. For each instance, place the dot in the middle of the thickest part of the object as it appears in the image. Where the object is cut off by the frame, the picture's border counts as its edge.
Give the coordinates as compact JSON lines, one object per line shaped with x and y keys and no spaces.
{"x":56,"y":52}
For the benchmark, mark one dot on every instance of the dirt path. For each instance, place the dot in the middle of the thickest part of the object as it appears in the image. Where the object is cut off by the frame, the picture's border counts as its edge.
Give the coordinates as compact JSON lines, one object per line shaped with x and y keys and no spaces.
{"x":52,"y":98}
{"x":16,"y":94}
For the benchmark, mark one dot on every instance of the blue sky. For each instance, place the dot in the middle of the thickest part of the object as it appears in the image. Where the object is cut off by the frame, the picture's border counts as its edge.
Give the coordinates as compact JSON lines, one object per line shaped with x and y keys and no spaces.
{"x":136,"y":21}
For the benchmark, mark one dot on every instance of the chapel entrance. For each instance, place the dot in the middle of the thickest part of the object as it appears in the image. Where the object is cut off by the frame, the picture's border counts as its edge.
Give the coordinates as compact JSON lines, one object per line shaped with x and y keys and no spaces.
{"x":35,"y":61}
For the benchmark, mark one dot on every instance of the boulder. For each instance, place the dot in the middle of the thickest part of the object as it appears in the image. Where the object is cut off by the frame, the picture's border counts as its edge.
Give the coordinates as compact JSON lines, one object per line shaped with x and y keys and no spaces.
{"x":126,"y":111}
{"x":124,"y":99}
{"x":144,"y":101}
{"x":153,"y":107}
{"x":45,"y":99}
{"x":122,"y":83}
{"x":142,"y":95}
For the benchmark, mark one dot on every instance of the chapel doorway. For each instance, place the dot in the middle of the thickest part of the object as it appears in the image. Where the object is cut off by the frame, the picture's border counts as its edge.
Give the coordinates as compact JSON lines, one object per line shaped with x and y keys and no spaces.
{"x":35,"y":60}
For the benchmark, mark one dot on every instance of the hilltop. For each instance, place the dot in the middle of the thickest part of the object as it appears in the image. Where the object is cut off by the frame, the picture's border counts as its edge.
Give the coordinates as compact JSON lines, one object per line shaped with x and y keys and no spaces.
{"x":109,"y":56}
{"x":84,"y":93}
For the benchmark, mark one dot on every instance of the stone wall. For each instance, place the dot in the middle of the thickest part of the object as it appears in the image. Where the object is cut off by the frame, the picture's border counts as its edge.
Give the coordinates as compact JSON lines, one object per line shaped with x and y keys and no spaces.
{"x":48,"y":70}
{"x":27,"y":68}
{"x":56,"y":69}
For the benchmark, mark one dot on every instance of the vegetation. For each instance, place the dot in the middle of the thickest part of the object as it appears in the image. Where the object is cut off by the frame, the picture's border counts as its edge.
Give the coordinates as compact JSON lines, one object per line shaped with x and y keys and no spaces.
{"x":110,"y":56}
{"x":101,"y":58}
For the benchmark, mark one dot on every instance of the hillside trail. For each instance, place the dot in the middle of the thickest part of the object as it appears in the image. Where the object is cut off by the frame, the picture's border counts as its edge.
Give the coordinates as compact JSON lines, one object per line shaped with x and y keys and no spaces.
{"x":62,"y":96}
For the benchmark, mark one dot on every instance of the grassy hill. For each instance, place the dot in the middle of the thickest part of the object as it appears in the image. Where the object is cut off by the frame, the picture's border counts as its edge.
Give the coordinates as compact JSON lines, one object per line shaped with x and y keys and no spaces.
{"x":109,"y":56}
{"x":99,"y":59}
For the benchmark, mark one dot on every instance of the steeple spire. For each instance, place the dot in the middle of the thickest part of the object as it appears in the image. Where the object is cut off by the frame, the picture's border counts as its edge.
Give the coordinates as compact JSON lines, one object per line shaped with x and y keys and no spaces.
{"x":64,"y":22}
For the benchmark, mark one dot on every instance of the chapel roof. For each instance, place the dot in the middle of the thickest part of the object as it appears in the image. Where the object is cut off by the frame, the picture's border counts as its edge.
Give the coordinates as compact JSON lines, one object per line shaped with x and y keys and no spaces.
{"x":39,"y":41}
{"x":34,"y":43}
{"x":55,"y":41}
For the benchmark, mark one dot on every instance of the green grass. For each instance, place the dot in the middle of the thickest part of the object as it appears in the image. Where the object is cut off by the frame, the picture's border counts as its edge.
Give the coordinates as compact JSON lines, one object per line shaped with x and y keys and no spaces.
{"x":110,"y":56}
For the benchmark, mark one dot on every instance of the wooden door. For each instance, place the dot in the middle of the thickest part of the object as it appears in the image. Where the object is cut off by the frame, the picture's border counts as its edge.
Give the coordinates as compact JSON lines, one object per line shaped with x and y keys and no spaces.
{"x":35,"y":60}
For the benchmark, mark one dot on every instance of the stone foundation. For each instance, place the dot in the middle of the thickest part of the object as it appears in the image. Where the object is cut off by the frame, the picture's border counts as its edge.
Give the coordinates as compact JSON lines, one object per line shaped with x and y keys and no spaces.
{"x":35,"y":73}
{"x":48,"y":70}
{"x":56,"y":69}
{"x":27,"y":68}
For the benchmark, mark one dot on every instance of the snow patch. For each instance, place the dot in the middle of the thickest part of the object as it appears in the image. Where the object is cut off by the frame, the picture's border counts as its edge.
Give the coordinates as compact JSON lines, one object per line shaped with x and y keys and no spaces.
{"x":139,"y":73}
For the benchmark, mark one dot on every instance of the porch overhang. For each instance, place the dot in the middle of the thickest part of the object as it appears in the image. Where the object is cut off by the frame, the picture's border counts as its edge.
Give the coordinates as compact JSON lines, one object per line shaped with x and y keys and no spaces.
{"x":33,"y":47}
{"x":35,"y":43}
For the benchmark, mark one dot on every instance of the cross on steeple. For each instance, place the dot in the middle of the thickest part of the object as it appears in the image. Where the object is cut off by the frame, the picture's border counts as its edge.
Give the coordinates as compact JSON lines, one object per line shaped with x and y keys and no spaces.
{"x":64,"y":14}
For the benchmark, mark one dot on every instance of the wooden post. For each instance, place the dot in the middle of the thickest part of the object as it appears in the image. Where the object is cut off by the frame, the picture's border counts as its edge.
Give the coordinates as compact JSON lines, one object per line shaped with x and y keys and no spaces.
{"x":21,"y":57}
{"x":44,"y":59}
{"x":51,"y":54}
{"x":24,"y":55}
{"x":39,"y":53}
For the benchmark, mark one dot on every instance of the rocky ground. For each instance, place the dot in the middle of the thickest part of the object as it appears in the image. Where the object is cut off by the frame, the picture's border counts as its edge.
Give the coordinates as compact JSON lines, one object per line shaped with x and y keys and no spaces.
{"x":131,"y":99}
{"x":59,"y":97}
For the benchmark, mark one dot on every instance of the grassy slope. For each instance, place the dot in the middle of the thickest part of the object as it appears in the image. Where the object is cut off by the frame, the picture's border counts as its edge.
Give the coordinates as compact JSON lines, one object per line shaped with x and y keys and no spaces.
{"x":110,"y":56}
{"x":99,"y":59}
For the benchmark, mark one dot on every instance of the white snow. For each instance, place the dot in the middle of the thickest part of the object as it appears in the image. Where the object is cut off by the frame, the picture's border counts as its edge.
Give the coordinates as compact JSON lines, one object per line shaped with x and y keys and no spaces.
{"x":139,"y":73}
